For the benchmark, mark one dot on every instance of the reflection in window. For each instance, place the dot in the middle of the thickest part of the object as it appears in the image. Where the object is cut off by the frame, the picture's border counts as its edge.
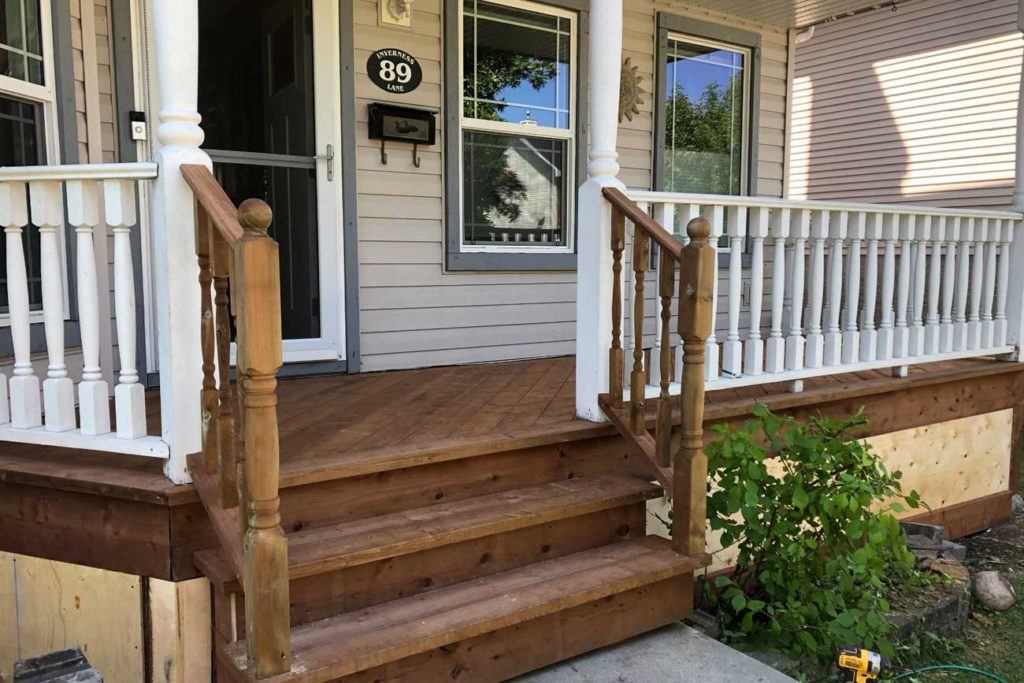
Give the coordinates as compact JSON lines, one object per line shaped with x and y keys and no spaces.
{"x":21,"y":45}
{"x":20,"y":130}
{"x":517,"y":122}
{"x":706,"y":94}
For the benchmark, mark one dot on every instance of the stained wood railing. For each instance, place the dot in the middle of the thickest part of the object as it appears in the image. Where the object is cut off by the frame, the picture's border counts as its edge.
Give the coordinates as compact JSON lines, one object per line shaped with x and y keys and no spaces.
{"x":684,"y":472}
{"x":237,"y":478}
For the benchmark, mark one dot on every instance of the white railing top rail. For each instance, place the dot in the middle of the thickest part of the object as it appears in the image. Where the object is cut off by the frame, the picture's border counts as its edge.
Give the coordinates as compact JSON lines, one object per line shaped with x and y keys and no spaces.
{"x":142,"y":170}
{"x":656,"y":197}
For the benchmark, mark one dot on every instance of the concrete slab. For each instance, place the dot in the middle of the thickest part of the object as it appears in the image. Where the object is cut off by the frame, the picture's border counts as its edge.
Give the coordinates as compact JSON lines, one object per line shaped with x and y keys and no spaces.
{"x":674,"y":653}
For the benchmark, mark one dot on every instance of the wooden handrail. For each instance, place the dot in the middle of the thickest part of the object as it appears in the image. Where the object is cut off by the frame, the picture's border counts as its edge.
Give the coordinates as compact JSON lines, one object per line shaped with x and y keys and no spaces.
{"x":637,"y":217}
{"x":686,"y":481}
{"x":238,"y":476}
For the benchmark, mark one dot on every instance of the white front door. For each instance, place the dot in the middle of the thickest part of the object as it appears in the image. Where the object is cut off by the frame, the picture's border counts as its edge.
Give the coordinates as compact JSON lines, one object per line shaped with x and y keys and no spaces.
{"x":270,"y":101}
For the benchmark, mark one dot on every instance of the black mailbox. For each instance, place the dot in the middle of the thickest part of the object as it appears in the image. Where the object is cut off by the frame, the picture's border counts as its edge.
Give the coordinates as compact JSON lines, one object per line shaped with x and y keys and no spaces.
{"x":402,"y":124}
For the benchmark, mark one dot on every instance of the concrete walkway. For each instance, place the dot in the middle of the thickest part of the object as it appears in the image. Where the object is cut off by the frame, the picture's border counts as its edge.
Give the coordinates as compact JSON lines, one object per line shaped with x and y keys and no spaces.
{"x":674,"y":653}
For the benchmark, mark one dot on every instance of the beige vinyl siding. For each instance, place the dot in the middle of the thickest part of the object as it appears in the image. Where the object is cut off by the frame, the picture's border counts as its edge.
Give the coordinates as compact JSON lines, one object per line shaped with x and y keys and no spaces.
{"x":412,"y":313}
{"x":93,"y":73}
{"x":913,"y":106}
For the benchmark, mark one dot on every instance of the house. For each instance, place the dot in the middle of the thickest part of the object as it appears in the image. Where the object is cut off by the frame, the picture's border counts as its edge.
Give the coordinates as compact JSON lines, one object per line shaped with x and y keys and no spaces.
{"x":345,"y":339}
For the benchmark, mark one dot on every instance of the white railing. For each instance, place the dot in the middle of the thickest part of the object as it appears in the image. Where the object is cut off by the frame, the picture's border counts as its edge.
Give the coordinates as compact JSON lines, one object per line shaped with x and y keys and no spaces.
{"x":809,"y":288}
{"x":90,"y":199}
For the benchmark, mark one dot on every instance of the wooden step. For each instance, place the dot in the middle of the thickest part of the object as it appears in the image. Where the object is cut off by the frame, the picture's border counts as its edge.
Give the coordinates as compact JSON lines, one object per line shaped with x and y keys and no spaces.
{"x":325,"y":549}
{"x":355,"y":641}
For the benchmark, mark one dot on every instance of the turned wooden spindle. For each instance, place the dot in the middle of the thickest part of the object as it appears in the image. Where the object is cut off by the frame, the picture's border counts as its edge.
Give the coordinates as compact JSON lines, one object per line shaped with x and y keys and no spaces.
{"x":666,"y":287}
{"x":638,"y":378}
{"x":226,"y":436}
{"x":616,"y":368}
{"x":258,"y":297}
{"x":210,"y":433}
{"x":690,"y":469}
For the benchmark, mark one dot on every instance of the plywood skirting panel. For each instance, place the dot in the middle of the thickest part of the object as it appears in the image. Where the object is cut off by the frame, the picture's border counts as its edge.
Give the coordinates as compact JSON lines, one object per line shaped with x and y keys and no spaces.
{"x":8,"y":618}
{"x":180,"y":631}
{"x":64,"y":605}
{"x":949,"y":463}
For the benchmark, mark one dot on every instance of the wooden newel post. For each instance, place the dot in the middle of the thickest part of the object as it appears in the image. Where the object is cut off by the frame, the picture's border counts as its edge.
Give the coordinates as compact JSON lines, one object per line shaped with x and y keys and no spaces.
{"x":258,"y":292}
{"x":690,"y":468}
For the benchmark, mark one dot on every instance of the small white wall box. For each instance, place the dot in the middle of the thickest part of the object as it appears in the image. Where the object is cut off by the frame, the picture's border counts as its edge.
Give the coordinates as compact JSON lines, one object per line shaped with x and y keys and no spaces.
{"x":137,"y":119}
{"x":402,"y":124}
{"x":395,"y":13}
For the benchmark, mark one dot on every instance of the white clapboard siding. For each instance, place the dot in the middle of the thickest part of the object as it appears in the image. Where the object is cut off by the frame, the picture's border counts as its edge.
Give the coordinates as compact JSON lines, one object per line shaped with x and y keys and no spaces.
{"x":412,"y":313}
{"x":913,"y":106}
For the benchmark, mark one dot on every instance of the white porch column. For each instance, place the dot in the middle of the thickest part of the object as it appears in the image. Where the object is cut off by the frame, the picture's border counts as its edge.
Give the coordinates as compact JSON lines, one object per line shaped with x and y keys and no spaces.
{"x":1015,"y":292}
{"x":176,"y":271}
{"x":593,"y":277}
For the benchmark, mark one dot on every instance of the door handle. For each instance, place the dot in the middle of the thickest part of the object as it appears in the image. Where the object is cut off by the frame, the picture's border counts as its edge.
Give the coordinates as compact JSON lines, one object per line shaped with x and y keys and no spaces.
{"x":328,"y":156}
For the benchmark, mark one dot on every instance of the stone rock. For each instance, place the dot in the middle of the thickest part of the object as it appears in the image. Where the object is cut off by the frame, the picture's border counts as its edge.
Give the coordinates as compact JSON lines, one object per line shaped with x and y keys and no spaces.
{"x":951,"y":568}
{"x":1017,"y":504}
{"x":926,"y":548}
{"x":932,"y":531}
{"x":993,"y":591}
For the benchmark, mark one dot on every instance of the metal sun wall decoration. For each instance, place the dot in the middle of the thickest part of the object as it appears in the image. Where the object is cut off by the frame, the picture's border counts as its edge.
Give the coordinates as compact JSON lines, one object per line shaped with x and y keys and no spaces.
{"x":630,"y":92}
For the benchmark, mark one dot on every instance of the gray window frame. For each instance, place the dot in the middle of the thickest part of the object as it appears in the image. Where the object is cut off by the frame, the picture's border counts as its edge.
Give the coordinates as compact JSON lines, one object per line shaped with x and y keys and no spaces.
{"x":455,"y":258}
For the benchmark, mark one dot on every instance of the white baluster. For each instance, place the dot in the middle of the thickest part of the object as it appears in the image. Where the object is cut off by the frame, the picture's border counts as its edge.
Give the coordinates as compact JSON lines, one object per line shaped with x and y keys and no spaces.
{"x":960,"y":332}
{"x":129,"y":394}
{"x":775,"y":350}
{"x":901,"y":337}
{"x":952,"y":230}
{"x":834,"y":335}
{"x":93,"y":396}
{"x":25,"y":407}
{"x":922,"y":233}
{"x":753,"y":347}
{"x":977,"y":283}
{"x":931,"y":327}
{"x":717,"y":218}
{"x":988,"y":326}
{"x":886,"y":331}
{"x":1003,"y":285}
{"x":47,"y":207}
{"x":732,"y":349}
{"x":851,"y":334}
{"x":815,"y":339}
{"x":795,"y":342}
{"x":868,"y":333}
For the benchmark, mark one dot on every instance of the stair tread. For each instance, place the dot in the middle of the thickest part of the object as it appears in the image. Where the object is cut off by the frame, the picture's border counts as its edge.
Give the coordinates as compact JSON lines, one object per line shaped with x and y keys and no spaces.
{"x":354,"y":641}
{"x":328,"y":548}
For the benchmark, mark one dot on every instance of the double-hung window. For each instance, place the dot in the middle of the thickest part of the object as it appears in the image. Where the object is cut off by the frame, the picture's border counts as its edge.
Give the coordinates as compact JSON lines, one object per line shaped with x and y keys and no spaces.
{"x":27,"y":114}
{"x":517,"y":126}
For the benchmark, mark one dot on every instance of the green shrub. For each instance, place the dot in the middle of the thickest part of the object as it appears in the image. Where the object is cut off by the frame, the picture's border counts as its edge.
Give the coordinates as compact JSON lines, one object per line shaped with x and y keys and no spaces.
{"x":818,"y":546}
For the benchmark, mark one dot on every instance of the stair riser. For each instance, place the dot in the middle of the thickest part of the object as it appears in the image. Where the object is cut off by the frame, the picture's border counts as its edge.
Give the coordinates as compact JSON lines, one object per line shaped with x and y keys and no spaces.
{"x":531,"y":645}
{"x":317,"y":597}
{"x":412,"y":487}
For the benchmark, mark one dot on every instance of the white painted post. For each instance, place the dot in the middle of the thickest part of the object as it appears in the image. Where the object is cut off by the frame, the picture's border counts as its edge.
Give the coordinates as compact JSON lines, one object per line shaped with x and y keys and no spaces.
{"x":711,"y":346}
{"x":901,"y":337}
{"x":988,"y":326}
{"x":886,"y":331}
{"x":129,"y":395}
{"x":775,"y":350}
{"x":960,"y":336}
{"x":922,"y":233}
{"x":753,"y":346}
{"x":977,"y":282}
{"x":1015,"y":254}
{"x":685,"y":214}
{"x":952,"y":234}
{"x":815,"y":339}
{"x":732,"y":349}
{"x":93,"y":396}
{"x":594,"y":272}
{"x":868,"y":333}
{"x":1003,"y":284}
{"x":24,"y":385}
{"x":795,"y":342}
{"x":931,"y":328}
{"x":851,"y":334}
{"x":175,"y":269}
{"x":46,"y":201}
{"x":834,"y":336}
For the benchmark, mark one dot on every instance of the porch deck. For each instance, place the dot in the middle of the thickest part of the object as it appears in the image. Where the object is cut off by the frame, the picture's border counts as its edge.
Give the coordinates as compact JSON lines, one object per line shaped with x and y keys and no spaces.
{"x":350,"y":423}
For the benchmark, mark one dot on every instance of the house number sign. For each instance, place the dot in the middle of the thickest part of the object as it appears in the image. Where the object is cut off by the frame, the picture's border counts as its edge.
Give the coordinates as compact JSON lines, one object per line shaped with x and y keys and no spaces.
{"x":394,"y":71}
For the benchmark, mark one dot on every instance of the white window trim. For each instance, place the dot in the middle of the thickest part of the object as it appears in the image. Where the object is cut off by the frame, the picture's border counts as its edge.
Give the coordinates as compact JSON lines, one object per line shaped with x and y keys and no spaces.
{"x":548,"y":132}
{"x":45,"y":96}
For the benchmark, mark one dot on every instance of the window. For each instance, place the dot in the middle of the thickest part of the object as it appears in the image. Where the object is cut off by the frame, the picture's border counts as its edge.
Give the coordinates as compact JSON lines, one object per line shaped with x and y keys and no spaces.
{"x":707,"y":92}
{"x":517,"y":153}
{"x":27,"y":114}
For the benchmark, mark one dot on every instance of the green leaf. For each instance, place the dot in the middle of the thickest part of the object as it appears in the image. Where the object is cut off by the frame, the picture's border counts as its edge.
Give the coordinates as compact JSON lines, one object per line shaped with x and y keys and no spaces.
{"x":738,"y":602}
{"x":800,"y":498}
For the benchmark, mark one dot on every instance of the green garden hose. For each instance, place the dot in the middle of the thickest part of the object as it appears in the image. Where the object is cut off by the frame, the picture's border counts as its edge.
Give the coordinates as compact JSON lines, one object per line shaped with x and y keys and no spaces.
{"x":951,"y":667}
